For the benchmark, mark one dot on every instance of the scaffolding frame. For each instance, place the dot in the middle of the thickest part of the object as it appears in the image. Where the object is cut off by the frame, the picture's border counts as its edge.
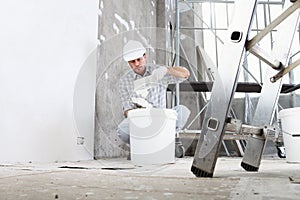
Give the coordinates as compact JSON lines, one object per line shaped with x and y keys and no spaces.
{"x":214,"y":29}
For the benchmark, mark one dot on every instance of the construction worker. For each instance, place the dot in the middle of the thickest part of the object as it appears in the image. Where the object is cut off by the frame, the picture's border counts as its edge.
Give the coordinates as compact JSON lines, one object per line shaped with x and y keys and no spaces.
{"x":135,"y":54}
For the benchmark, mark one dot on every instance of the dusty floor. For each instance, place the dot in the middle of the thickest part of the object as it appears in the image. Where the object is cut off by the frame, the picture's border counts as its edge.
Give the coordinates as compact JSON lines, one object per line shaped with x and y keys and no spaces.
{"x":119,"y":179}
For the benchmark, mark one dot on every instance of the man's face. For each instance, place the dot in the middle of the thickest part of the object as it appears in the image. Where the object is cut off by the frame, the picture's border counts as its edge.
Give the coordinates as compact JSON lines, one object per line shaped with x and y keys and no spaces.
{"x":138,"y":65}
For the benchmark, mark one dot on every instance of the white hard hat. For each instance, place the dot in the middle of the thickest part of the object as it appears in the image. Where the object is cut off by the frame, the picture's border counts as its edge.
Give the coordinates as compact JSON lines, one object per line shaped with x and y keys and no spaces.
{"x":133,"y":50}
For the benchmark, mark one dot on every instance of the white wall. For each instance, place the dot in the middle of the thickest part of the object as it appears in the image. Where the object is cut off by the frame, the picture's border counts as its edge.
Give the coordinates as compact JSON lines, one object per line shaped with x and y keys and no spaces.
{"x":47,"y":79}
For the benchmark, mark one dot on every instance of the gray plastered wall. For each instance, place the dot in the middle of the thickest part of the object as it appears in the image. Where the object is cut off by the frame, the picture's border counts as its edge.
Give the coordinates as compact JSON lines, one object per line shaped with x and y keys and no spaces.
{"x":153,"y":23}
{"x":119,"y":21}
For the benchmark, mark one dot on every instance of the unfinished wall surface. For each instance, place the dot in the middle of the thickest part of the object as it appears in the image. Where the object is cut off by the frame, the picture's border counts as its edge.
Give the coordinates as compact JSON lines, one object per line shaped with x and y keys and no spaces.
{"x":119,"y":21}
{"x":153,"y":23}
{"x":47,"y":80}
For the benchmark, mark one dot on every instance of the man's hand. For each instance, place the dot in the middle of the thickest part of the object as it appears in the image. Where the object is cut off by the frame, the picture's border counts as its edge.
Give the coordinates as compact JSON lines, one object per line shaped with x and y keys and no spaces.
{"x":126,"y":112}
{"x":179,"y":72}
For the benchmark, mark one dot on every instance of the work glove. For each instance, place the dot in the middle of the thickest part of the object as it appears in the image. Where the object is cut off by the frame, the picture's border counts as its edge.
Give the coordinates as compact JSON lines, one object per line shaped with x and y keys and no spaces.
{"x":158,"y":74}
{"x":150,"y":81}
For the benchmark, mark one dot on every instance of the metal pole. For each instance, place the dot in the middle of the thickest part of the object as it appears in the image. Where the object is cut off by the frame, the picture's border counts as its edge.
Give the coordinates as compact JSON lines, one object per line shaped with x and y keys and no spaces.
{"x":177,"y":48}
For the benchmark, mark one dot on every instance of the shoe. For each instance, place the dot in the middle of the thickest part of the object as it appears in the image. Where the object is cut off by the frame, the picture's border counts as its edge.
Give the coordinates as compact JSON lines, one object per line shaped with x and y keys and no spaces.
{"x":179,"y":149}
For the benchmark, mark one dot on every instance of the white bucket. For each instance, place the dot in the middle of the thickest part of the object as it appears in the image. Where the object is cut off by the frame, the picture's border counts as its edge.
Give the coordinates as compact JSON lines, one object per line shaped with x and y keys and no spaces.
{"x":290,"y":122}
{"x":152,"y":136}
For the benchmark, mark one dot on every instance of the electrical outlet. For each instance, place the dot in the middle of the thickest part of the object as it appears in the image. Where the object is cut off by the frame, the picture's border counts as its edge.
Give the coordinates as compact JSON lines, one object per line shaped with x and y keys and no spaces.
{"x":80,"y":140}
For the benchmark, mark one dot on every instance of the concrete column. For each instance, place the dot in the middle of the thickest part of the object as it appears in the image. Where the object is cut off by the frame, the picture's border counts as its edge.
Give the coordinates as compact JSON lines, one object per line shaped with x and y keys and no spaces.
{"x":119,"y":21}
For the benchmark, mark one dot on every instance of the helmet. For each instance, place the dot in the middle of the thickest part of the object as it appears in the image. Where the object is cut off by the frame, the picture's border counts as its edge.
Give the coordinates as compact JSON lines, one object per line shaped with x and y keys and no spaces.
{"x":133,"y":50}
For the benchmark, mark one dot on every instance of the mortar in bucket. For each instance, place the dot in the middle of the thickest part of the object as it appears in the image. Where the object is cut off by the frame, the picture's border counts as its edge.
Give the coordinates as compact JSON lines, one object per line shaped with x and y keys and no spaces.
{"x":291,"y":133}
{"x":152,"y":136}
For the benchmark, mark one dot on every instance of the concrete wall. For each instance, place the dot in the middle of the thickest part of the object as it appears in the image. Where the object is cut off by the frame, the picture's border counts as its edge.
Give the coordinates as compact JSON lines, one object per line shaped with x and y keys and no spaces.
{"x":153,"y":23}
{"x":47,"y":79}
{"x":119,"y":21}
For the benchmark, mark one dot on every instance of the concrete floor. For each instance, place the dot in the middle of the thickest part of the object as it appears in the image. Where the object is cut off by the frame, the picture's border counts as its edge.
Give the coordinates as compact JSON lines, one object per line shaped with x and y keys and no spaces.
{"x":119,"y":179}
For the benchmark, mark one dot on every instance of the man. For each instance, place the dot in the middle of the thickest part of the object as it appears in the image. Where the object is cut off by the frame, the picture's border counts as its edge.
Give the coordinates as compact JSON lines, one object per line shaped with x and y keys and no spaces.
{"x":159,"y":77}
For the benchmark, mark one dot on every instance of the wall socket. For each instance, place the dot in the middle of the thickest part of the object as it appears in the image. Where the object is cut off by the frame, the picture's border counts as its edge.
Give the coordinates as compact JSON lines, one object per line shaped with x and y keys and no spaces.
{"x":80,"y":140}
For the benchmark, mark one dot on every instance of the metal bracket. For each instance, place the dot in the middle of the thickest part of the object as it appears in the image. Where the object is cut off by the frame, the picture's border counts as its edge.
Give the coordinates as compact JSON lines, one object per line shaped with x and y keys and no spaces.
{"x":284,"y":71}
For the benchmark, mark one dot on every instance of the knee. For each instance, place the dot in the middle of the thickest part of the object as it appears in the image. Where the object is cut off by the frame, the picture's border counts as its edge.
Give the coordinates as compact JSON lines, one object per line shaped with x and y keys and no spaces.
{"x":182,"y":110}
{"x":123,"y":136}
{"x":123,"y":131}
